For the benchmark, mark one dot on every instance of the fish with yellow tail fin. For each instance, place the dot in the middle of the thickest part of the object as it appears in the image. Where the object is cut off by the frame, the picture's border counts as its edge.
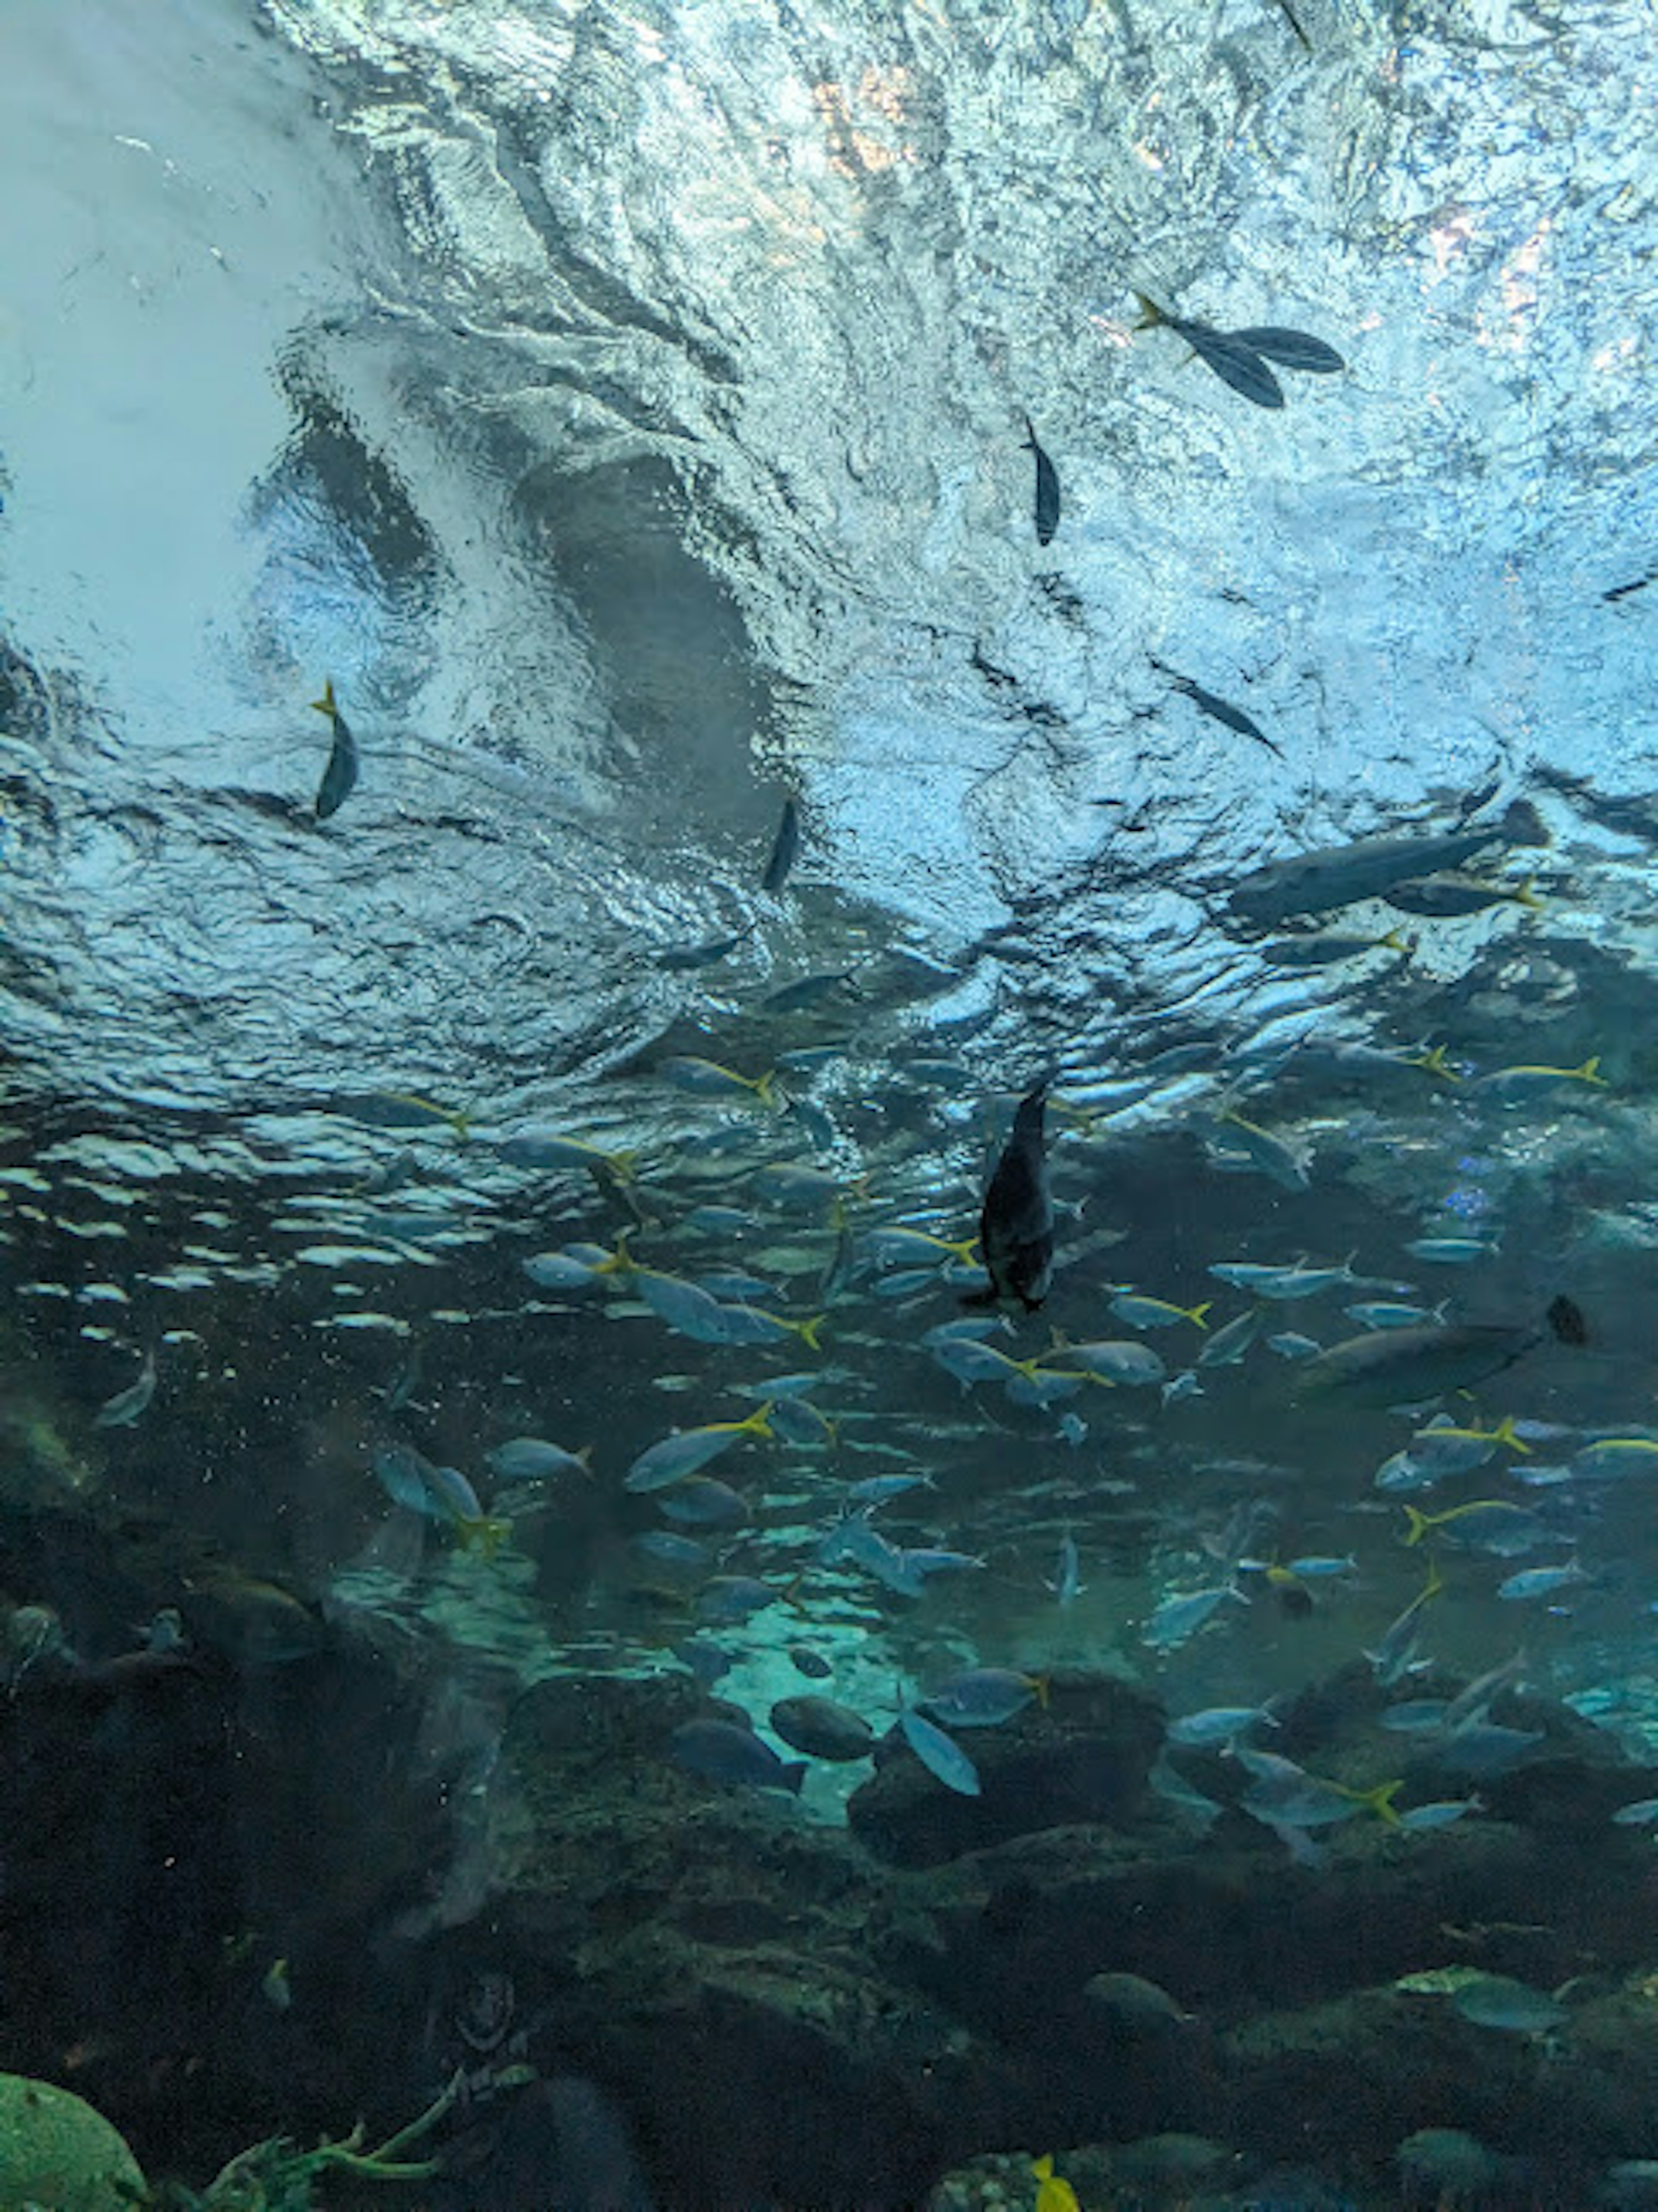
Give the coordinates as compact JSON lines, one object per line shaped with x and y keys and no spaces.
{"x":340,"y":776}
{"x":1053,"y":2192}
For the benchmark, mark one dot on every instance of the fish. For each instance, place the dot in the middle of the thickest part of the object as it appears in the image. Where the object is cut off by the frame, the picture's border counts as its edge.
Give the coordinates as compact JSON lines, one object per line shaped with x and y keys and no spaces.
{"x":1125,"y":1362}
{"x":1483,"y":1524}
{"x":1407,"y":1366}
{"x":1291,"y":349}
{"x":1237,"y":365}
{"x":1448,"y":897}
{"x":1136,"y":2002}
{"x":128,"y":1405}
{"x":1283,"y":1795}
{"x":442,"y":1494}
{"x":1339,"y":875}
{"x":678,"y":958}
{"x":700,"y":1501}
{"x":983,"y":1696}
{"x":1218,"y":709}
{"x":812,"y":1664}
{"x":1234,"y":1141}
{"x":941,"y":1755}
{"x":1322,"y":947}
{"x":785,"y":848}
{"x":1612,"y":1456}
{"x":687,"y":1450}
{"x":1541,"y":1582}
{"x":1291,"y":1344}
{"x":1523,"y":1081}
{"x":1452,"y":1251}
{"x":1498,"y":2001}
{"x":1442,"y":1813}
{"x":1391,"y":1313}
{"x":1015,"y":1224}
{"x":728,"y":1598}
{"x":1228,"y":1346}
{"x":1141,"y":1311}
{"x":1053,"y":2192}
{"x":1218,"y":1724}
{"x":720,"y":1751}
{"x":1048,"y":488}
{"x":340,"y":776}
{"x":1282,"y":1284}
{"x":1180,"y":1615}
{"x":531,"y":1459}
{"x":1066,"y":1582}
{"x":822,"y":1729}
{"x":707,"y":1078}
{"x":547,"y":1148}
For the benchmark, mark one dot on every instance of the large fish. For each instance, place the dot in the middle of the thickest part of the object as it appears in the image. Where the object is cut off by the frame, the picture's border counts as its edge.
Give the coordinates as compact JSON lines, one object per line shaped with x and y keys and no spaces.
{"x":1408,"y":1366}
{"x":1016,"y":1225}
{"x":1337,"y":876}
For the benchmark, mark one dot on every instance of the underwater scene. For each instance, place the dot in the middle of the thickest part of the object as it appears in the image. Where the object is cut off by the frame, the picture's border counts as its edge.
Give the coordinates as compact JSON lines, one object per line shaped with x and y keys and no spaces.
{"x":829,"y":1174}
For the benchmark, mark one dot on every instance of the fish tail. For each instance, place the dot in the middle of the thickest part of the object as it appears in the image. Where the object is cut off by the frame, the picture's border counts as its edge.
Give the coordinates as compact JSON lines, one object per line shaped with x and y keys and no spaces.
{"x":1506,"y":1433}
{"x":757,"y":1424}
{"x":1150,"y":313}
{"x":623,"y":1164}
{"x":1042,"y":2168}
{"x":482,"y":1534}
{"x":326,"y":704}
{"x":810,"y":1331}
{"x":1527,"y":896}
{"x":621,"y":1260}
{"x":1420,"y":1525}
{"x":765,"y":1087}
{"x":1041,"y":1683}
{"x":1381,"y":1800}
{"x":1196,"y":1313}
{"x":1590,"y":1072}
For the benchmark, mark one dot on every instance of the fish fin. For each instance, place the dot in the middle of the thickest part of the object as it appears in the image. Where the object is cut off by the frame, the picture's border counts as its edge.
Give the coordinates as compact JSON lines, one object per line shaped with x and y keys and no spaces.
{"x":1419,"y":1526}
{"x":326,"y":704}
{"x":1150,"y":313}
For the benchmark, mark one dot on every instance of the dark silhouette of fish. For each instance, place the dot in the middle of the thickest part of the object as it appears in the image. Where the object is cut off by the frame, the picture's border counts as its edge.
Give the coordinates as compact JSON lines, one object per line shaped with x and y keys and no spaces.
{"x":1239,"y":358}
{"x":340,"y":776}
{"x":1015,"y":1224}
{"x":1048,"y":488}
{"x":784,"y":846}
{"x":1218,"y":709}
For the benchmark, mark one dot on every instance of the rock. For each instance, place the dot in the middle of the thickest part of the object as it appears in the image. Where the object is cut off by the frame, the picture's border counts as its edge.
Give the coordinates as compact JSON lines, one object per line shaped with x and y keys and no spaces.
{"x":56,"y":2151}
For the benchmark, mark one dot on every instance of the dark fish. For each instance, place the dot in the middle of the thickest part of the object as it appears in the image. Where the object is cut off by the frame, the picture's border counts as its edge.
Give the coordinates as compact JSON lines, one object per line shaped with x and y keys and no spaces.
{"x":340,"y":776}
{"x":1048,"y":488}
{"x":1015,"y":1225}
{"x":1628,"y":591}
{"x":821,"y":1729}
{"x":722,"y":1752}
{"x":1220,"y":710}
{"x":1294,"y":21}
{"x":1408,"y":1366}
{"x":810,"y":1663}
{"x":784,"y":846}
{"x":1237,"y":365}
{"x":1313,"y":883}
{"x":1291,"y":350}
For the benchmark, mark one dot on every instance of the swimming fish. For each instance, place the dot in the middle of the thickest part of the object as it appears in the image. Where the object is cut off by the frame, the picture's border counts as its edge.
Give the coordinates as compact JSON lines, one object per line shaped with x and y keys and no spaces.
{"x":1241,"y":367}
{"x":1048,"y":488}
{"x":532,"y":1459}
{"x":720,"y":1751}
{"x":785,"y":847}
{"x":438,"y":1493}
{"x":127,"y":1406}
{"x":707,"y":1079}
{"x":1016,"y":1225}
{"x":822,"y":1730}
{"x":1218,"y":709}
{"x":983,"y":1696}
{"x":1338,"y":875}
{"x":1407,"y":1366}
{"x":940,"y":1754}
{"x":1447,"y":897}
{"x":685,"y":1451}
{"x":340,"y":776}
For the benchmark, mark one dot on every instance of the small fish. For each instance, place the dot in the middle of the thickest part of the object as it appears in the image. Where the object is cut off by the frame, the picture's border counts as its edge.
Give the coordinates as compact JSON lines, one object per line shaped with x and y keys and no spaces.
{"x":1283,"y":1284}
{"x":1233,"y":1135}
{"x":1320,"y":1566}
{"x":707,"y":1079}
{"x":1136,"y":2002}
{"x":1498,"y":2001}
{"x":680,"y":957}
{"x":1184,"y":1385}
{"x":1291,"y":1344}
{"x":940,"y":1754}
{"x":1608,"y":1457}
{"x":725,"y":1599}
{"x":687,"y":1450}
{"x":1291,"y":349}
{"x":340,"y":776}
{"x":532,"y":1459}
{"x":438,"y":1493}
{"x":1285,"y":1796}
{"x":1127,"y":1362}
{"x":1442,"y":1448}
{"x":128,"y":1405}
{"x":881,"y":1489}
{"x":1048,"y":488}
{"x":1323,"y":947}
{"x":1394,"y":1313}
{"x":1219,"y":710}
{"x":548,"y":1148}
{"x":1524,"y":1081}
{"x":1483,"y":1524}
{"x":275,"y":1987}
{"x":812,"y":1664}
{"x":1179,"y":1616}
{"x":1141,"y":1311}
{"x":1228,"y":1346}
{"x":1452,"y":1251}
{"x":822,"y":1730}
{"x":702,"y":1502}
{"x":983,"y":1696}
{"x":1641,"y":1814}
{"x":1237,"y":365}
{"x":720,"y":1751}
{"x":1066,"y":1583}
{"x":1628,"y":591}
{"x":1218,"y":1724}
{"x":1053,"y":2192}
{"x":1447,"y":897}
{"x":785,"y":848}
{"x":1443,"y":1813}
{"x":1541,"y":1582}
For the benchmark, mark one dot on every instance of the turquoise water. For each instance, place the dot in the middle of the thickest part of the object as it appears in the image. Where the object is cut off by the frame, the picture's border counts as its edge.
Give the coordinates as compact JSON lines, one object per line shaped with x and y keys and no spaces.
{"x":511,"y":1444}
